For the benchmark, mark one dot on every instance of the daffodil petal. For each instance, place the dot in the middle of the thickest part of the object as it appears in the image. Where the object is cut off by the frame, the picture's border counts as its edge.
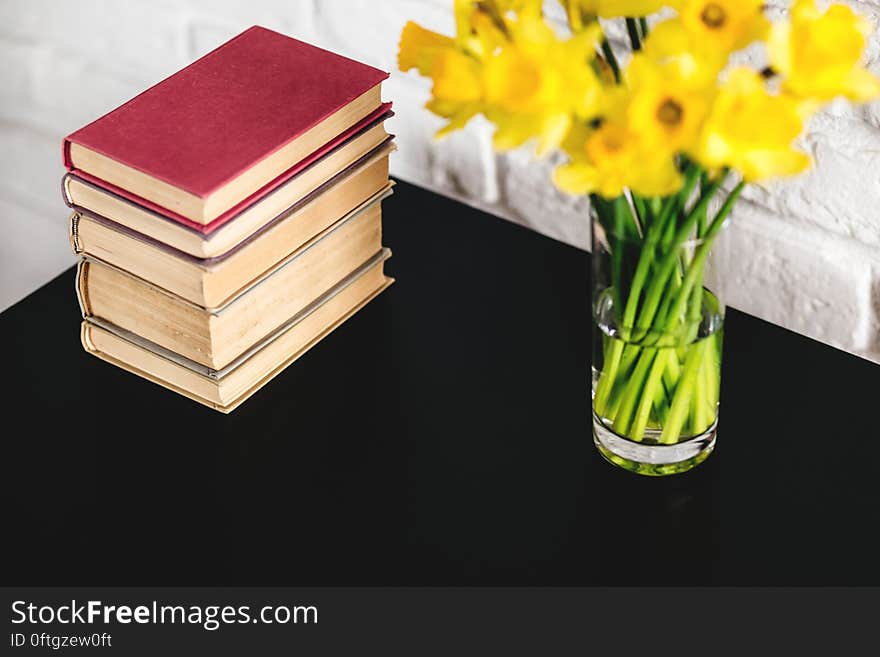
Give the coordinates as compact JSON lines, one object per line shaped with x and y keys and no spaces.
{"x":575,"y":178}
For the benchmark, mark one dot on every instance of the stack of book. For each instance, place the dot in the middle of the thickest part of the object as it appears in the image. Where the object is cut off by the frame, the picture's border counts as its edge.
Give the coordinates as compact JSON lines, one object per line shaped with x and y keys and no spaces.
{"x":229,"y":217}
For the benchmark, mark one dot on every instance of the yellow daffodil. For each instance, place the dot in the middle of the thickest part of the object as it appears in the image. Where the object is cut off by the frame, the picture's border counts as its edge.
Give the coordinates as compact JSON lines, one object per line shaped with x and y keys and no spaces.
{"x":723,"y":25}
{"x":419,"y":47}
{"x":628,"y":130}
{"x":456,"y":78}
{"x":479,"y":27}
{"x":538,"y":83}
{"x":585,"y":10}
{"x":457,"y":92}
{"x":523,"y":99}
{"x":517,"y":6}
{"x":514,"y":69}
{"x":752,"y":131}
{"x":665,"y":107}
{"x":670,"y":42}
{"x":820,"y":54}
{"x":612,"y":159}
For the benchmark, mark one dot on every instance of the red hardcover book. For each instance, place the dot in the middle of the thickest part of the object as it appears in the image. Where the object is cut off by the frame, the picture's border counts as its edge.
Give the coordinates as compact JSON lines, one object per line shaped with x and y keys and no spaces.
{"x":223,"y":128}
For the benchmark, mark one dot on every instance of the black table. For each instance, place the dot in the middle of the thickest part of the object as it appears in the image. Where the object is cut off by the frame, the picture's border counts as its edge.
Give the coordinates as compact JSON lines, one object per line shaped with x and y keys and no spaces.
{"x":441,"y":436}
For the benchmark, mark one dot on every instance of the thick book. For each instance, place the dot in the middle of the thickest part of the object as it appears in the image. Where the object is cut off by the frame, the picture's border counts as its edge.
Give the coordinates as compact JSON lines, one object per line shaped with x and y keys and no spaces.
{"x":212,"y":282}
{"x":219,"y":130}
{"x":91,"y":195}
{"x":225,"y":389}
{"x":216,"y":337}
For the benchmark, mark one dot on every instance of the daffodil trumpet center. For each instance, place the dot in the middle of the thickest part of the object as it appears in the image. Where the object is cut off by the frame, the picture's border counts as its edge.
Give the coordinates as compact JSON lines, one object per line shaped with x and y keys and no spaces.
{"x":713,"y":16}
{"x":612,"y":144}
{"x":670,"y":112}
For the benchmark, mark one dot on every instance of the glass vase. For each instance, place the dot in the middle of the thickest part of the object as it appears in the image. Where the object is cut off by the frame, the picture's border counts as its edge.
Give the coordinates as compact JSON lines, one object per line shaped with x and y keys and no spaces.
{"x":657,"y":334}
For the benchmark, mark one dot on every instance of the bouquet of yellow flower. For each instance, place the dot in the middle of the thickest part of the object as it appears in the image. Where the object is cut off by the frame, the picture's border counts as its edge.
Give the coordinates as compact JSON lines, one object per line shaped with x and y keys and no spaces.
{"x":663,"y":138}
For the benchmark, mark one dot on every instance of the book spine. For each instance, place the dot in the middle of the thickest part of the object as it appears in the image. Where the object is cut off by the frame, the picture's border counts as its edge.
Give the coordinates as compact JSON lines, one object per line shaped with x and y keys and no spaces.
{"x":82,"y":295}
{"x":65,"y":154}
{"x":85,"y":337}
{"x":65,"y":190}
{"x":73,"y":233}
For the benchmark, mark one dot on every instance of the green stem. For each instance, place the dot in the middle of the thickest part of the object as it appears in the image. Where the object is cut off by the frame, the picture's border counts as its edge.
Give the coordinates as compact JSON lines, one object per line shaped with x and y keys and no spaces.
{"x":714,"y":371}
{"x":641,"y":211}
{"x":613,"y":366}
{"x":646,"y":257}
{"x":671,"y":375}
{"x":662,"y":399}
{"x":696,"y":267}
{"x":669,"y":231}
{"x":709,"y":384}
{"x":675,"y":420}
{"x":695,"y":311}
{"x":696,"y":388}
{"x":623,"y":374}
{"x":632,"y":211}
{"x":665,"y":307}
{"x":649,"y":395}
{"x":699,"y":414}
{"x":620,"y":227}
{"x":610,"y":364}
{"x":634,"y":387}
{"x":701,"y":220}
{"x":670,"y":260}
{"x":626,"y":379}
{"x":643,"y":383}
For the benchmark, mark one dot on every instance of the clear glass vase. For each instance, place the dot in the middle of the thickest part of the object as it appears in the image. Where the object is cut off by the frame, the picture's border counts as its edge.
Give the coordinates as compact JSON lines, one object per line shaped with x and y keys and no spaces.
{"x":657,"y":334}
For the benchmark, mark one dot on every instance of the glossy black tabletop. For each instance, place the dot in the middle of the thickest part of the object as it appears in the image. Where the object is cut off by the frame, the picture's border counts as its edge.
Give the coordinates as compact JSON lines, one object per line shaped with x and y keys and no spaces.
{"x":441,"y":436}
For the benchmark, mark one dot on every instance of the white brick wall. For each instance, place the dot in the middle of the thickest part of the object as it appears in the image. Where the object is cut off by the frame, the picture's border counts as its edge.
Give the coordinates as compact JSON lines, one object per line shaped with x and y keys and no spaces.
{"x":804,"y":254}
